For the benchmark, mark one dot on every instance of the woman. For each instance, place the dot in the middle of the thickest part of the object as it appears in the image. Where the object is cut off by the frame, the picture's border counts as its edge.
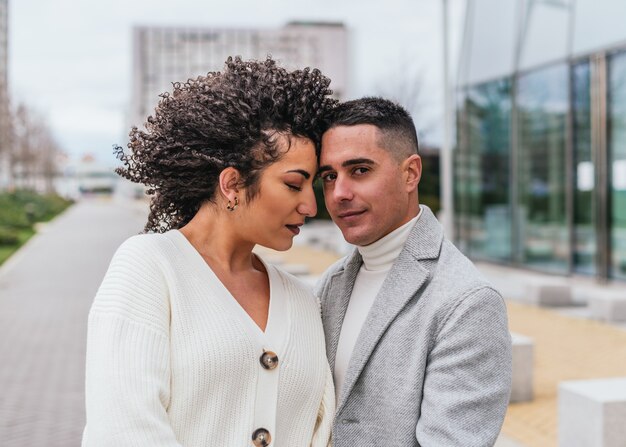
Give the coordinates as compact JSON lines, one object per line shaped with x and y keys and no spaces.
{"x":193,"y":339}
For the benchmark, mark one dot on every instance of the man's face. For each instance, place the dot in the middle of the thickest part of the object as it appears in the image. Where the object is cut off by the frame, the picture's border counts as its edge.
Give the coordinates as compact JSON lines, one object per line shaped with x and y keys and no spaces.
{"x":366,"y":190}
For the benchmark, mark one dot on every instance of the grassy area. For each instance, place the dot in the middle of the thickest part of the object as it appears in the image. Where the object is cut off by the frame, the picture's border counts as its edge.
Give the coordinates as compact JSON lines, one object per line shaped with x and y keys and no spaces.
{"x":19,"y":211}
{"x":8,"y":250}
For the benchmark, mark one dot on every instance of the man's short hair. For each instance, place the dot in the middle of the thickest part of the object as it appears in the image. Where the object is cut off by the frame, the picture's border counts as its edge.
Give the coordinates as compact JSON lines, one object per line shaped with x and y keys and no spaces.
{"x":397,"y":130}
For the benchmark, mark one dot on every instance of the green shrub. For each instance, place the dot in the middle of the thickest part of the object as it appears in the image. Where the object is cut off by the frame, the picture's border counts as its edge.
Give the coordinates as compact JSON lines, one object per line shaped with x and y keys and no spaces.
{"x":9,"y":236}
{"x":20,"y":209}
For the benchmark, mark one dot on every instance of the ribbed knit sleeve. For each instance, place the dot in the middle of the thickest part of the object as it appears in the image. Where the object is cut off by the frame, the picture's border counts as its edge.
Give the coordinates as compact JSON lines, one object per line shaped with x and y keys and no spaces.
{"x":128,"y":353}
{"x":326,"y":414}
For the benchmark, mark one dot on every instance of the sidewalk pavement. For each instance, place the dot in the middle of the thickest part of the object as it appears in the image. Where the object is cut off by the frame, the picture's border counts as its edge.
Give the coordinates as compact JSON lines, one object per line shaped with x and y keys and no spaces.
{"x":46,"y":290}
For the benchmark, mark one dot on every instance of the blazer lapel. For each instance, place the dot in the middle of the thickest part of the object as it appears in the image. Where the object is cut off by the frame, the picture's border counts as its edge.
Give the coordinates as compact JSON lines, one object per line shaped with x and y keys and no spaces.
{"x":335,"y":303}
{"x":403,"y":282}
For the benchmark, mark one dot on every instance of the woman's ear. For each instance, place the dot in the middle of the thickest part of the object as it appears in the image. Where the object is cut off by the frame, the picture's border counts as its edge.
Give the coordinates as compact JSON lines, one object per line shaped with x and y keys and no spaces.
{"x":413,"y":171}
{"x":229,"y":183}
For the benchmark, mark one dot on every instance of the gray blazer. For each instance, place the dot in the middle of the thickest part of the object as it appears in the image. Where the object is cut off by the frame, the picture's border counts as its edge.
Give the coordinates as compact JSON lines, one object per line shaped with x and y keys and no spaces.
{"x":432,"y":364}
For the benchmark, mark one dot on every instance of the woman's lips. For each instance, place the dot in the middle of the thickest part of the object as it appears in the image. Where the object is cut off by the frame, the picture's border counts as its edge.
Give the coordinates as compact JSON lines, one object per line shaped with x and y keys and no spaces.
{"x":295,"y":229}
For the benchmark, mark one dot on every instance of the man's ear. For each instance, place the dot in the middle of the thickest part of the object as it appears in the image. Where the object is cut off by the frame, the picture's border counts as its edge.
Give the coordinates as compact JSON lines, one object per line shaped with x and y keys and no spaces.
{"x":412,"y":169}
{"x":229,"y":183}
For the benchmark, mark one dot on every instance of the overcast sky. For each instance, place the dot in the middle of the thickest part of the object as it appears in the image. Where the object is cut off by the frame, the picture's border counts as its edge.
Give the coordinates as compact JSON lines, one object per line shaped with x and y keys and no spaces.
{"x":70,"y":59}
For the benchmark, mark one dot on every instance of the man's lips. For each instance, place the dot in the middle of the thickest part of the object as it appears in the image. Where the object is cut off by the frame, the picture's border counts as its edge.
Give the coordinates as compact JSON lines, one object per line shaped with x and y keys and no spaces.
{"x":348,"y":215}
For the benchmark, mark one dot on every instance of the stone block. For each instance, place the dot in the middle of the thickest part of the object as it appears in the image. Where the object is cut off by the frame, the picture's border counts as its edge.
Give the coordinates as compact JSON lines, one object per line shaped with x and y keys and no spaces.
{"x":592,"y":413}
{"x":608,"y":305}
{"x":548,"y":292}
{"x":523,"y":354}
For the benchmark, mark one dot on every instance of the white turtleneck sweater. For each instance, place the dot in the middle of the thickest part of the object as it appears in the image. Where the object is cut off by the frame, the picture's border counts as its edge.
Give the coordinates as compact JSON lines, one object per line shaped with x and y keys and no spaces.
{"x":378,"y":258}
{"x":173,"y":360}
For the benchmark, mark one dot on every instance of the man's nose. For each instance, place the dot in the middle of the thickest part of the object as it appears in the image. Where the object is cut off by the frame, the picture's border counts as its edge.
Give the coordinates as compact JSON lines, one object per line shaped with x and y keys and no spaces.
{"x":342,"y":190}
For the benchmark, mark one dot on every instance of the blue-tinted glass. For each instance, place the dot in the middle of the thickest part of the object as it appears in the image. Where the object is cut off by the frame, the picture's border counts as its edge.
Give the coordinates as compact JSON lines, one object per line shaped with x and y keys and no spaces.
{"x":542,"y":111}
{"x":488,"y":163}
{"x":617,"y":163}
{"x":584,"y":248}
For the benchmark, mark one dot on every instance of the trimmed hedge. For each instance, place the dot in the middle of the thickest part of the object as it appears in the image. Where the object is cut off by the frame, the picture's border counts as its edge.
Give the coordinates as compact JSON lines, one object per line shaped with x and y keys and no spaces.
{"x":19,"y":210}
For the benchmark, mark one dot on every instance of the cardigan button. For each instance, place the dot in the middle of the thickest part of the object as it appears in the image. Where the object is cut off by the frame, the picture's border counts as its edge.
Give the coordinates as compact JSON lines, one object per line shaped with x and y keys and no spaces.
{"x":261,"y":437}
{"x":269,"y":360}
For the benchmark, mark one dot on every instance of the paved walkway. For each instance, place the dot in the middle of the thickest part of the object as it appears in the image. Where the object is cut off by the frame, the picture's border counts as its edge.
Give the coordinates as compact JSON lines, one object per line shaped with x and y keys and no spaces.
{"x":46,"y":290}
{"x":47,"y":287}
{"x":566,"y":348}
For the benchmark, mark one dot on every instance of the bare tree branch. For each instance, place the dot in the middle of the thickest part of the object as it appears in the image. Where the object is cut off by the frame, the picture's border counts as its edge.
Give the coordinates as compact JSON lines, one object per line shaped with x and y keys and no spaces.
{"x":405,"y":85}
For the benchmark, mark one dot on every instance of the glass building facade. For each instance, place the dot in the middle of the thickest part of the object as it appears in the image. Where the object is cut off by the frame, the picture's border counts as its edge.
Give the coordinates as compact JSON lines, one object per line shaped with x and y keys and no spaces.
{"x":540,"y":159}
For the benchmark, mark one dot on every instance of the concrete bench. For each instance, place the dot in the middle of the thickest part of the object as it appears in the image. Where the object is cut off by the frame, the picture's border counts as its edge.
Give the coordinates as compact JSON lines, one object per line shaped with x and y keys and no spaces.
{"x":548,"y":292}
{"x":523,"y":353}
{"x":592,"y":413}
{"x":607,"y":305}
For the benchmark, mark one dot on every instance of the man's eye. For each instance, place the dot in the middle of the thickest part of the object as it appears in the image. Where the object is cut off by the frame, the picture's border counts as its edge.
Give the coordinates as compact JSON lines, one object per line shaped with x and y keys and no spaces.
{"x":328,"y":177}
{"x":360,"y":171}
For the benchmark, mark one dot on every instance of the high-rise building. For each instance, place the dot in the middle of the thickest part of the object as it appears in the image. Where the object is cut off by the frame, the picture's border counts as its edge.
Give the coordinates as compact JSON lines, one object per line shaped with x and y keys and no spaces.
{"x":5,"y":139}
{"x":540,"y":164}
{"x":162,"y":55}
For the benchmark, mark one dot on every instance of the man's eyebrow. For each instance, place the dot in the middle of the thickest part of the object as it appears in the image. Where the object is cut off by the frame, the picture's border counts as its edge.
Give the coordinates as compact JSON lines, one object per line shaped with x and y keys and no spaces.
{"x":345,"y":164}
{"x":324,"y":169}
{"x":304,"y":173}
{"x":357,"y":161}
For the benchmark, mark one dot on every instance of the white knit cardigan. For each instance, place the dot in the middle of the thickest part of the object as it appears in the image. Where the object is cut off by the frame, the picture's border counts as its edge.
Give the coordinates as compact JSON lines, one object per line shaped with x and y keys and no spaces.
{"x":173,"y":359}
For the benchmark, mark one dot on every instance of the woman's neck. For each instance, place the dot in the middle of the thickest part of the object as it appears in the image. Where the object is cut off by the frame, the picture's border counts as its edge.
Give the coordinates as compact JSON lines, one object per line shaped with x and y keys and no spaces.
{"x":212,"y":234}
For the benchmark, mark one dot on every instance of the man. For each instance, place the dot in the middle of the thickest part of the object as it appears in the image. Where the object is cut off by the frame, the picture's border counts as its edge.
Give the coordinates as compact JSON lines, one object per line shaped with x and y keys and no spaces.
{"x":418,"y":341}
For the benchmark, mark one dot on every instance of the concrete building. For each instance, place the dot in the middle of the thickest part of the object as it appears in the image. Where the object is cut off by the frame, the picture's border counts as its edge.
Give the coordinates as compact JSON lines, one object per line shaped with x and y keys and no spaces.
{"x":540,"y":162}
{"x":5,"y":135}
{"x":162,"y":55}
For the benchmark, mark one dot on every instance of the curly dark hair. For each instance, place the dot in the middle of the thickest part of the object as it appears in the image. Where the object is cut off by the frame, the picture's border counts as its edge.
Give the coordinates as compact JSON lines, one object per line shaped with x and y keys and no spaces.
{"x":225,"y":119}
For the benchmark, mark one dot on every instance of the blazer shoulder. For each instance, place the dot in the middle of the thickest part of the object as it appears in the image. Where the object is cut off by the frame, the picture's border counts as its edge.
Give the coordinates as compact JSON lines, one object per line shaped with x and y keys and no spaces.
{"x":335,"y":268}
{"x":458,"y":268}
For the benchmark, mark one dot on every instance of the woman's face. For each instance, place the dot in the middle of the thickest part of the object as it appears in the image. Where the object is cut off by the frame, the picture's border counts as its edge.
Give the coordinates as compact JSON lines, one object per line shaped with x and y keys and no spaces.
{"x":284,"y":198}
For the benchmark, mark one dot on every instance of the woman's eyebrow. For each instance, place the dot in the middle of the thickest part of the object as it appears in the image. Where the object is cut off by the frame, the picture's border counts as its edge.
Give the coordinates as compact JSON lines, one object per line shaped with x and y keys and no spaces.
{"x":304,"y":173}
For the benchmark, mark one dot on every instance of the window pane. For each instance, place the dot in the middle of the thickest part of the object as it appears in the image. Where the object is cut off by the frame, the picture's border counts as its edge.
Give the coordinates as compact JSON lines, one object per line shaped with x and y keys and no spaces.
{"x":546,"y":31}
{"x":542,"y":104}
{"x":584,"y":173}
{"x":489,"y":49}
{"x":617,"y":163}
{"x":487,"y":189}
{"x":598,"y":24}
